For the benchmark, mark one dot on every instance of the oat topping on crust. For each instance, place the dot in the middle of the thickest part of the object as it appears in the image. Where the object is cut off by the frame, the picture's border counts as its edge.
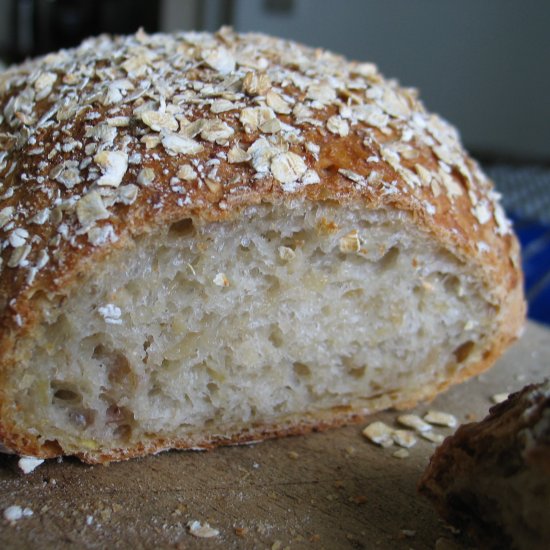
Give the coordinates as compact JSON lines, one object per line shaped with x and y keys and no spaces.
{"x":122,"y":128}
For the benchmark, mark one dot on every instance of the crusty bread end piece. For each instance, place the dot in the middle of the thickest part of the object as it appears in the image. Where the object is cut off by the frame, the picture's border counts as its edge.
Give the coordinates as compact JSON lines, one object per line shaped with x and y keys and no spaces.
{"x":212,"y":239}
{"x":492,"y":478}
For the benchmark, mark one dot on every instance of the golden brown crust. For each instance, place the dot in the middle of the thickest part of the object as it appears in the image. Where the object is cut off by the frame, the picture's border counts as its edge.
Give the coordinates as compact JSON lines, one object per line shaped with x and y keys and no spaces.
{"x":122,"y":135}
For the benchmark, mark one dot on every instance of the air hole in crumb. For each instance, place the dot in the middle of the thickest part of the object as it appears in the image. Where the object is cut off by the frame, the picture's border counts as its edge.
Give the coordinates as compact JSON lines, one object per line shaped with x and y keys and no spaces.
{"x":389,"y":259}
{"x":375,"y":387}
{"x":272,"y":235}
{"x":52,"y":447}
{"x":276,"y":336}
{"x":123,"y":432}
{"x":118,"y":367}
{"x":352,"y":369}
{"x":67,"y":395}
{"x":273,"y":282}
{"x":452,"y":284}
{"x":354,"y":294}
{"x":183,"y":228}
{"x":122,"y":418}
{"x":146,"y":345}
{"x":65,"y":392}
{"x":212,"y":387}
{"x":301,"y":370}
{"x":117,"y":414}
{"x":83,"y":418}
{"x":155,"y":391}
{"x":357,"y":373}
{"x":463,"y":351}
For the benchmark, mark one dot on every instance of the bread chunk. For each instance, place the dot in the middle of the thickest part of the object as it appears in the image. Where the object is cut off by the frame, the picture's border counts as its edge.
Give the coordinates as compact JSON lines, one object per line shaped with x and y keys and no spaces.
{"x":216,"y":238}
{"x":492,"y":478}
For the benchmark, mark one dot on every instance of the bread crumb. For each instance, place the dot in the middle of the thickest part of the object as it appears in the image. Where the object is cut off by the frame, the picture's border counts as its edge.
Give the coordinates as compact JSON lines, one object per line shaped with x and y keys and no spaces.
{"x":293,"y":455}
{"x":203,"y":531}
{"x":27,"y":464}
{"x":241,"y":531}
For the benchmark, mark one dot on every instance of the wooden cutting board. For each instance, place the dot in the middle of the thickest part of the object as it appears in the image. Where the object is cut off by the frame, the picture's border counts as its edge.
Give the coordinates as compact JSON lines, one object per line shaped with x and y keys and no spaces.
{"x":327,"y":490}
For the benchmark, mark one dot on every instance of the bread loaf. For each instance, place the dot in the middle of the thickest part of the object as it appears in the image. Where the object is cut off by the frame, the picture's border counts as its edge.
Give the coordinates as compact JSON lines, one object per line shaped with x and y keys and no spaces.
{"x":492,"y":478}
{"x":217,"y":238}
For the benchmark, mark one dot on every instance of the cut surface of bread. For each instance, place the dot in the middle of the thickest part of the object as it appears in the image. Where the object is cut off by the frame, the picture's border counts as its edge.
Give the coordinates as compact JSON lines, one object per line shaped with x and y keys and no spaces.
{"x":221,"y":325}
{"x":218,"y":238}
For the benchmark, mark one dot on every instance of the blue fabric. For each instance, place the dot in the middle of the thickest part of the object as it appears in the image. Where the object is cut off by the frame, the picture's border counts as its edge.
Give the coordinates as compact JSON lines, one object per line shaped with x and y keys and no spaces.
{"x":525,"y":190}
{"x":535,"y":241}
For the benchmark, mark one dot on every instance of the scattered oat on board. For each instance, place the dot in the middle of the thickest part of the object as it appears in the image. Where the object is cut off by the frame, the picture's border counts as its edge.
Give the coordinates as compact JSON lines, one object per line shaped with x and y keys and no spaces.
{"x":15,"y":513}
{"x":201,"y":530}
{"x":414,"y":421}
{"x":404,"y":438}
{"x":379,"y":433}
{"x":28,"y":464}
{"x":438,"y":418}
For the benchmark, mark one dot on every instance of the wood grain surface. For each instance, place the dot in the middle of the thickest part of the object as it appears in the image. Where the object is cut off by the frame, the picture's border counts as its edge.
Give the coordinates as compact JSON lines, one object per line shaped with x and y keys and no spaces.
{"x":326,"y":490}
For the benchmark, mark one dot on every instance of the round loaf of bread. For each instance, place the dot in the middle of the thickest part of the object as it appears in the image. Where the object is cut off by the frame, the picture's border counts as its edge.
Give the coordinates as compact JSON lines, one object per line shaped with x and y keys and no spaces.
{"x":217,"y":238}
